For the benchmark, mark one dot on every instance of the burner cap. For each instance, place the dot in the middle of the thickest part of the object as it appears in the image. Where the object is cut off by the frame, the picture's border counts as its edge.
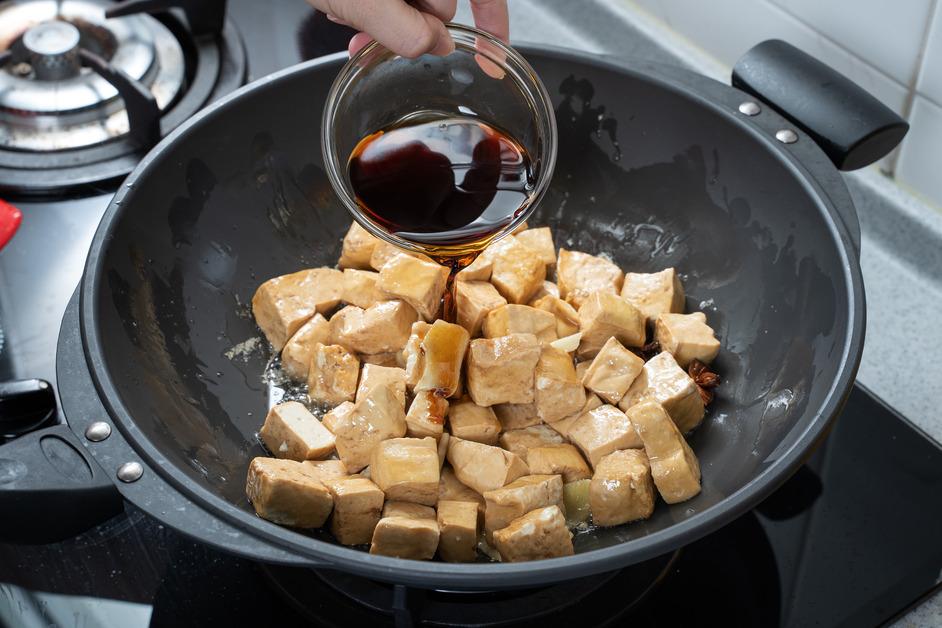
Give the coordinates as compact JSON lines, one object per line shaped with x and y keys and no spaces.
{"x":53,"y":50}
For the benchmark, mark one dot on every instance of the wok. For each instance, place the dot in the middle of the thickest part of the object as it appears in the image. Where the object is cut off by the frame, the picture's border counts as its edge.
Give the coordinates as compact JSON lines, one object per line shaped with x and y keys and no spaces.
{"x":657,"y":167}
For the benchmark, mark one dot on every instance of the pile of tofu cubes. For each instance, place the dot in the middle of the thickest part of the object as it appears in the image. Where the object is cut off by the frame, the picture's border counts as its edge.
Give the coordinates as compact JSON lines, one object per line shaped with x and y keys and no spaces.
{"x":528,"y":416}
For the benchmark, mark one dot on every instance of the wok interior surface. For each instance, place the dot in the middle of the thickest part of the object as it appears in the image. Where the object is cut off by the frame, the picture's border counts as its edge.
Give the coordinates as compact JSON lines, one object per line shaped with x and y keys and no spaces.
{"x":645,"y":174}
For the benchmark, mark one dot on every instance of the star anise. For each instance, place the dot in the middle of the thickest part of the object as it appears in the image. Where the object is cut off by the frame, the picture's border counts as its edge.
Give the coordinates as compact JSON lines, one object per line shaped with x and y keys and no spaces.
{"x":650,"y":350}
{"x":705,"y":379}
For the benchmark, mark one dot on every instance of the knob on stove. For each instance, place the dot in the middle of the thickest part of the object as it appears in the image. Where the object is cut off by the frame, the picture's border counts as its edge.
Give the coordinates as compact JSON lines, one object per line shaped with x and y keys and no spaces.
{"x":53,"y":50}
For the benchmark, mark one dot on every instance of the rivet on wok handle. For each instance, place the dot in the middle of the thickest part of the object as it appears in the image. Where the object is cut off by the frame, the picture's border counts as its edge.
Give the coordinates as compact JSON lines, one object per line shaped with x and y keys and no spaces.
{"x":97,"y":431}
{"x":130,"y":472}
{"x":750,"y":108}
{"x":786,"y":136}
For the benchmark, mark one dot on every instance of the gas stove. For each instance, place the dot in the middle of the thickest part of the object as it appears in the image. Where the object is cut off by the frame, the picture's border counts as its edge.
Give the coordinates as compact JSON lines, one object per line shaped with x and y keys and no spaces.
{"x":86,"y":87}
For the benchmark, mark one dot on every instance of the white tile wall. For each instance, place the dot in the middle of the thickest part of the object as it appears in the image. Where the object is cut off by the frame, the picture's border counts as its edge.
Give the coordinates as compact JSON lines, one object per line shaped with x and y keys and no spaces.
{"x":893,"y":49}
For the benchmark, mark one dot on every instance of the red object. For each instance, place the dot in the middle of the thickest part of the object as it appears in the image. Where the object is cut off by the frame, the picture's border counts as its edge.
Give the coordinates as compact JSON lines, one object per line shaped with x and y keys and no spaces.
{"x":10,"y":219}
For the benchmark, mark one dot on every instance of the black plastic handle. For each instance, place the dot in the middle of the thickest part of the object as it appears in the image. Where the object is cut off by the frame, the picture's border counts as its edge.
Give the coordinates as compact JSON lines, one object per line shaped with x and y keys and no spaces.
{"x":852,"y":127}
{"x":25,"y":405}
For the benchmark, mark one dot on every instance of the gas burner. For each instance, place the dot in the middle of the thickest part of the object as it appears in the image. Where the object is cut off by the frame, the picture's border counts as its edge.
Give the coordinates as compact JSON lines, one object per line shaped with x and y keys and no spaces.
{"x":88,"y":86}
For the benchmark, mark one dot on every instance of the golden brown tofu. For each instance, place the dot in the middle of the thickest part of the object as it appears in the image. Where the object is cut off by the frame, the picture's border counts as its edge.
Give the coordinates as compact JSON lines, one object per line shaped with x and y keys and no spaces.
{"x":450,"y":488}
{"x":407,"y":469}
{"x":412,"y":356}
{"x":557,"y":391}
{"x":612,"y":371}
{"x":291,"y":431}
{"x":282,"y":304}
{"x":540,"y":241}
{"x":515,"y":416}
{"x":580,"y":275}
{"x":333,"y":374}
{"x":358,"y":503}
{"x":384,"y":251}
{"x":358,"y":247}
{"x":473,"y":301}
{"x":283,"y":492}
{"x":547,"y":289}
{"x":654,"y":293}
{"x":409,"y":510}
{"x":662,"y":380}
{"x":521,"y":441}
{"x":390,"y":359}
{"x":567,"y":319}
{"x":419,"y":283}
{"x":603,"y":316}
{"x":563,"y":426}
{"x":687,"y":337}
{"x":484,"y":467}
{"x":478,"y":270}
{"x":391,"y":376}
{"x":382,"y":328}
{"x":402,"y":537}
{"x":359,"y":288}
{"x":603,"y":430}
{"x":501,"y":370}
{"x":443,"y":348}
{"x":621,"y":489}
{"x":518,"y":272}
{"x":674,"y":467}
{"x":470,"y":421}
{"x":296,"y":356}
{"x":325,"y":470}
{"x":458,"y":524}
{"x":520,"y":319}
{"x":563,"y":459}
{"x":537,"y":535}
{"x":377,"y":416}
{"x":426,"y":415}
{"x":503,"y":505}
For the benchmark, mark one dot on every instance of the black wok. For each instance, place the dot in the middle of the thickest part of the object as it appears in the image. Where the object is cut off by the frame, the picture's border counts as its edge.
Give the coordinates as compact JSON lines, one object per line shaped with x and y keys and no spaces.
{"x":657,"y":167}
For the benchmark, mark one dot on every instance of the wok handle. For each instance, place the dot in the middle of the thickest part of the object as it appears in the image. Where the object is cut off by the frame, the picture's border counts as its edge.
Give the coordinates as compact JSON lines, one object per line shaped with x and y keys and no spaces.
{"x":50,"y":487}
{"x":852,"y":127}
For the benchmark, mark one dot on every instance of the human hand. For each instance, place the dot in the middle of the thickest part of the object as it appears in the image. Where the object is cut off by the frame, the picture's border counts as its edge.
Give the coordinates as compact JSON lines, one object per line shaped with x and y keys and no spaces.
{"x":413,"y":28}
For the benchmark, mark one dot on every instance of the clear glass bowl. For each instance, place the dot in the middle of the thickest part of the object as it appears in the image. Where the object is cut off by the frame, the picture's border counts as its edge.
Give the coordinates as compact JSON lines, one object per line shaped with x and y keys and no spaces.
{"x":482,"y":78}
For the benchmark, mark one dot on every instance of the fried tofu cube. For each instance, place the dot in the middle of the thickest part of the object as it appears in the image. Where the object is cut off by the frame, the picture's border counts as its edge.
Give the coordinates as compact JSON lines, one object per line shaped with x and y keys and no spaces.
{"x":296,"y":355}
{"x":473,"y":301}
{"x":450,"y":488}
{"x":567,"y":318}
{"x":282,"y":304}
{"x":470,"y":421}
{"x":381,"y":328}
{"x":687,"y":337}
{"x":426,"y":415}
{"x":376,"y":417}
{"x":409,"y":510}
{"x":603,"y":316}
{"x":358,"y":247}
{"x":518,"y":271}
{"x":501,"y":370}
{"x":547,"y":289}
{"x":621,"y":489}
{"x":484,"y":467}
{"x":282,"y":491}
{"x":359,"y":288}
{"x":654,"y":293}
{"x":419,"y":283}
{"x":412,"y":354}
{"x":562,"y":459}
{"x":539,"y":534}
{"x":444,"y":348}
{"x":333,"y":374}
{"x":515,"y":416}
{"x":557,"y":391}
{"x":325,"y":470}
{"x":674,"y":467}
{"x":407,"y":469}
{"x":580,"y":275}
{"x":662,"y":380}
{"x":291,"y":431}
{"x":540,"y":240}
{"x":390,"y":359}
{"x":503,"y":505}
{"x":603,"y":430}
{"x":404,"y":537}
{"x":563,"y":426}
{"x":478,"y":270}
{"x":391,"y":376}
{"x":612,"y":371}
{"x":520,"y":319}
{"x":335,"y":418}
{"x":521,"y":441}
{"x":384,"y":251}
{"x":458,"y":524}
{"x":358,"y":503}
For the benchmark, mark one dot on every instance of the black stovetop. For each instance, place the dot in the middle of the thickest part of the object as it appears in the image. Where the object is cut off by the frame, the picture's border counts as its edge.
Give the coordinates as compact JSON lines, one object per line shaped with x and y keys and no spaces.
{"x":851,"y":540}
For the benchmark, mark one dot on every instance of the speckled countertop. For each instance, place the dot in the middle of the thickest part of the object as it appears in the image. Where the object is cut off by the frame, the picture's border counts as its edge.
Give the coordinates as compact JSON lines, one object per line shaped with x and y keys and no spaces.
{"x":901,"y":251}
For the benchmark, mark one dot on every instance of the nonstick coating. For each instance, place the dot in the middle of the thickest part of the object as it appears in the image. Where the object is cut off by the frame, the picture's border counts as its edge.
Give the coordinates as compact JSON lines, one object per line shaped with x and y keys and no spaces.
{"x":647,"y":174}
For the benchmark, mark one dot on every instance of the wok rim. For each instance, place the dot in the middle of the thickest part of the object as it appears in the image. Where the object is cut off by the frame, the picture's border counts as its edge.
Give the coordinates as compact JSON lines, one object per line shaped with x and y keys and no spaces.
{"x":483,"y":575}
